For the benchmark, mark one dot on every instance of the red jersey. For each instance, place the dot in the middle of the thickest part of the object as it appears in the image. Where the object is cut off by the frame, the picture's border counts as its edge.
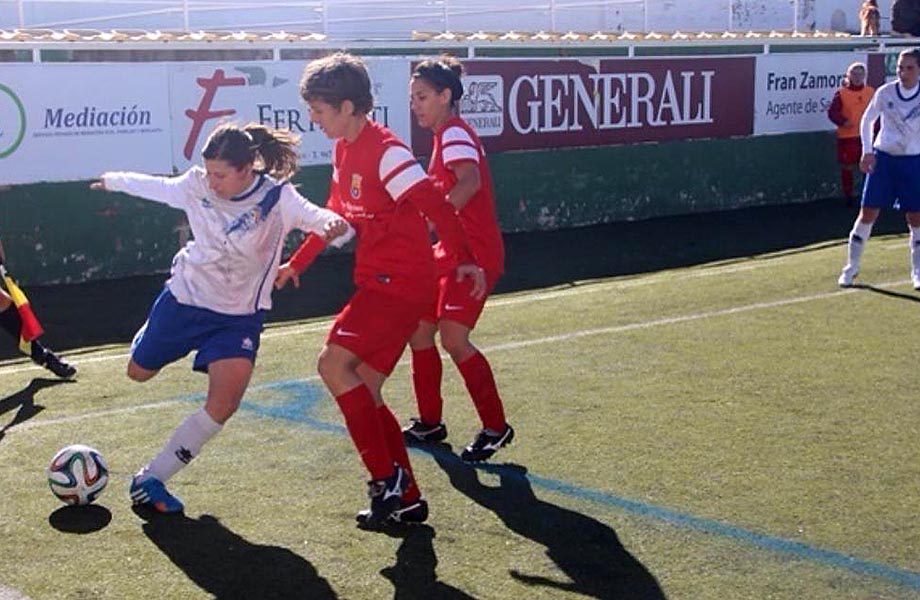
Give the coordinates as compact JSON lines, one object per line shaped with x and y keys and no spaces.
{"x":456,"y":142}
{"x":379,"y":188}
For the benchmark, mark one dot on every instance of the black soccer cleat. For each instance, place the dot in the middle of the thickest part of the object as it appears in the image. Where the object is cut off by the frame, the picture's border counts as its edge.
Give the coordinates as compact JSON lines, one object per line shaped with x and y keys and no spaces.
{"x":56,"y":365}
{"x":419,"y":431}
{"x":408,"y":513}
{"x":486,"y":444}
{"x":386,"y":498}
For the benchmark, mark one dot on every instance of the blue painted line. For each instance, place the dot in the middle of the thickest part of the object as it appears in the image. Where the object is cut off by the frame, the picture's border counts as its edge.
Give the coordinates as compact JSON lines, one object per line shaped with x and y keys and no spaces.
{"x":300,"y":398}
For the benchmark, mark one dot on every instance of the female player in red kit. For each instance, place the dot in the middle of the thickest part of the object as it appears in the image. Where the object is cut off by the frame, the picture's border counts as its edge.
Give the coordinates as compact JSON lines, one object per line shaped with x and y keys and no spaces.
{"x":382,"y":191}
{"x":459,"y":168}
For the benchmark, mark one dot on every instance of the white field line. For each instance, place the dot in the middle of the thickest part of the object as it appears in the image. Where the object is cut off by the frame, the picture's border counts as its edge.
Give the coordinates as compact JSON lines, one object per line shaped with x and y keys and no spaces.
{"x":502,"y":347}
{"x":584,"y":288}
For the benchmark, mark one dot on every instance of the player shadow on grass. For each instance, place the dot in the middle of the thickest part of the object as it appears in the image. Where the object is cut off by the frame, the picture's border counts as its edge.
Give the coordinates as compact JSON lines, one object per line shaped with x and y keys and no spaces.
{"x":24,"y":400}
{"x":583,"y":548}
{"x":884,"y":292}
{"x":227,"y":565}
{"x":415,"y":573}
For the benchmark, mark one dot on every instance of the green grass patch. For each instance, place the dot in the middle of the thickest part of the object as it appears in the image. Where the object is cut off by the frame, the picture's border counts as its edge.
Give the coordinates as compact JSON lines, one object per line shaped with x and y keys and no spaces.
{"x":674,"y":429}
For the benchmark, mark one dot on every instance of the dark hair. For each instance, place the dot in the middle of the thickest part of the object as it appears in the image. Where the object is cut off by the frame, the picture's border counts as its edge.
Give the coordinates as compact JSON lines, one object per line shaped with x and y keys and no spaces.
{"x":441,"y":74}
{"x":913,"y":53}
{"x":337,"y":78}
{"x":274,"y":149}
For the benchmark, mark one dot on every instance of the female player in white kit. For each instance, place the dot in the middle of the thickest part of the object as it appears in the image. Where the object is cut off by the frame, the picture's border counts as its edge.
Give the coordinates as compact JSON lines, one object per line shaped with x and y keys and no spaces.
{"x":240,"y":207}
{"x":892,"y":164}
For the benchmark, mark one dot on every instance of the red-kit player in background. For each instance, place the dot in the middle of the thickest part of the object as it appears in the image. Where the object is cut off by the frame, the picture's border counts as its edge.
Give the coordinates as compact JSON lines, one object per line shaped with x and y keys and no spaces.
{"x":382,"y":191}
{"x":459,"y":168}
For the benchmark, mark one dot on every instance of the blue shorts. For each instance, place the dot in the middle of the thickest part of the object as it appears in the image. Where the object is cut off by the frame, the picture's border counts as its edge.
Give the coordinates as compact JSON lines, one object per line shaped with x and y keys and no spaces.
{"x":173,"y":330}
{"x":895,"y":182}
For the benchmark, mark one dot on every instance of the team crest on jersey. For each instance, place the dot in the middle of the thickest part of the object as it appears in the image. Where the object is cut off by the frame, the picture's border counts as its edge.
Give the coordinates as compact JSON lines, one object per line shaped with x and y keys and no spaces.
{"x":355,"y":186}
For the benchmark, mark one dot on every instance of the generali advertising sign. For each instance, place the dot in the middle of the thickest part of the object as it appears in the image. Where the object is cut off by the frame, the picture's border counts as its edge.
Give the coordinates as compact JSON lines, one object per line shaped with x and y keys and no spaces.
{"x":530,"y":104}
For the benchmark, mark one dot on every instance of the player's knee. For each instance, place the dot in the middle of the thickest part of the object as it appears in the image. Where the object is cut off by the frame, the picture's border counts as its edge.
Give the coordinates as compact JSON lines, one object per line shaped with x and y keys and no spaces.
{"x":456,"y":344}
{"x":327,"y":366}
{"x":423,"y":338}
{"x":138,"y":373}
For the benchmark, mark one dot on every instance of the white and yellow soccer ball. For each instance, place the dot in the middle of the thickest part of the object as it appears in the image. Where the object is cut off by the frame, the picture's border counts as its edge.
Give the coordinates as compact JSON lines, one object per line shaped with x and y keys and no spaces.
{"x":77,"y":474}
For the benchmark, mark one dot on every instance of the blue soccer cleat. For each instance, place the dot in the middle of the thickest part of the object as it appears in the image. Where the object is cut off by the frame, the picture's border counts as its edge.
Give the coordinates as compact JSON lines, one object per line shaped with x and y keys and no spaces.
{"x":152,"y":493}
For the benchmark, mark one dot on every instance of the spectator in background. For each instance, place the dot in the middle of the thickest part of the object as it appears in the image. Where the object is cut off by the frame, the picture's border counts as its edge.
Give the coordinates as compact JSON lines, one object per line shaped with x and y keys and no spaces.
{"x":869,"y":18}
{"x":905,"y":17}
{"x":891,"y":162}
{"x":846,"y":111}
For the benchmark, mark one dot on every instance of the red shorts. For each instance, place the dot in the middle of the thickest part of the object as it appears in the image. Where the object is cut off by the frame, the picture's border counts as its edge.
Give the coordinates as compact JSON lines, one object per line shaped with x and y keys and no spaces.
{"x":849,"y":151}
{"x":376,"y":327}
{"x":455,"y":303}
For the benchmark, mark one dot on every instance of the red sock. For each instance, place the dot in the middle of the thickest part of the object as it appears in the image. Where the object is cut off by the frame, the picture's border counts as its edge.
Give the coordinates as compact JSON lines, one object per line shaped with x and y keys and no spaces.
{"x":846,"y":179}
{"x":357,"y":405}
{"x":426,"y":376}
{"x":477,"y":374}
{"x":397,"y":447}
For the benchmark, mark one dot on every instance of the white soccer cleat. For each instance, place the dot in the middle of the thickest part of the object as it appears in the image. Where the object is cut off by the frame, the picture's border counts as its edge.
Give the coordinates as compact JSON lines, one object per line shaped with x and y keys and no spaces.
{"x":847,"y":275}
{"x":915,"y":279}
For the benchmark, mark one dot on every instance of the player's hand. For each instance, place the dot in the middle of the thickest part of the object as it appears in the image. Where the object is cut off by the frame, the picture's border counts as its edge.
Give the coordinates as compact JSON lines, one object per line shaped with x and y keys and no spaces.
{"x":476,"y":273}
{"x":867,"y":164}
{"x":286,"y":273}
{"x":334,"y":229}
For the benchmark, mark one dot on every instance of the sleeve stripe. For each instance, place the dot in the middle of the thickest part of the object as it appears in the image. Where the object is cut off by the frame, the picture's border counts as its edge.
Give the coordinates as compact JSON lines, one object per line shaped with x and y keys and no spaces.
{"x":405,"y":180}
{"x":456,"y":134}
{"x":397,"y":170}
{"x":459,"y":152}
{"x":393,"y":158}
{"x":459,"y":143}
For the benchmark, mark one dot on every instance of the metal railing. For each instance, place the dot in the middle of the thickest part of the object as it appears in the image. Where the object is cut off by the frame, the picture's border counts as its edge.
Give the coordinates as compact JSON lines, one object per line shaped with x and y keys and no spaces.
{"x":396,"y":19}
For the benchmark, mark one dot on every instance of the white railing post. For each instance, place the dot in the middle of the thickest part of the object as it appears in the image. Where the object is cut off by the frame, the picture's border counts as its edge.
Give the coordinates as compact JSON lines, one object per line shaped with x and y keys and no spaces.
{"x":795,"y":15}
{"x":645,"y":15}
{"x":324,"y":7}
{"x":731,"y":16}
{"x":22,"y":14}
{"x":185,"y":19}
{"x":446,"y":15}
{"x":552,"y":15}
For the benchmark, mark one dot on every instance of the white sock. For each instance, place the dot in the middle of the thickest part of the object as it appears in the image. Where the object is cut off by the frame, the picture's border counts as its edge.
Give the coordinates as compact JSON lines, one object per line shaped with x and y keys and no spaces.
{"x":915,"y":249}
{"x":858,"y":238}
{"x":183,"y":446}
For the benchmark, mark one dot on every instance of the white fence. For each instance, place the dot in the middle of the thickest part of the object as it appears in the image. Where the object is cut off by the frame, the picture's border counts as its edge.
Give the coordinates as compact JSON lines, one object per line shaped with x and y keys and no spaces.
{"x":396,"y":19}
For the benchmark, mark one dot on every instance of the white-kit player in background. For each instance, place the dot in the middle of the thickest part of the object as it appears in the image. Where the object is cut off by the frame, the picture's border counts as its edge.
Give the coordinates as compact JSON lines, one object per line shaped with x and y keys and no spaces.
{"x":240,"y":208}
{"x":891,"y":162}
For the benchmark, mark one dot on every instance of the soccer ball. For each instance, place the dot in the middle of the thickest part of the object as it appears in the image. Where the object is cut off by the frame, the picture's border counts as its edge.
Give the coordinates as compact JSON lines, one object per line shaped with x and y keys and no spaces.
{"x":77,"y":474}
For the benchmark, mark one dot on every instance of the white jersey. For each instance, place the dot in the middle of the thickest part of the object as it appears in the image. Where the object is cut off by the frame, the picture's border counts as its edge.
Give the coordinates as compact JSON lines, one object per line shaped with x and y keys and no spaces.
{"x":230,"y":265}
{"x":899,"y":110}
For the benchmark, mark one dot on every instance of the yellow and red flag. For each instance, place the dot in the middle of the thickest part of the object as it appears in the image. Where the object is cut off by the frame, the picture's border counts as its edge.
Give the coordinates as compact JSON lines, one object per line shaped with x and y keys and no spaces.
{"x":31,"y":328}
